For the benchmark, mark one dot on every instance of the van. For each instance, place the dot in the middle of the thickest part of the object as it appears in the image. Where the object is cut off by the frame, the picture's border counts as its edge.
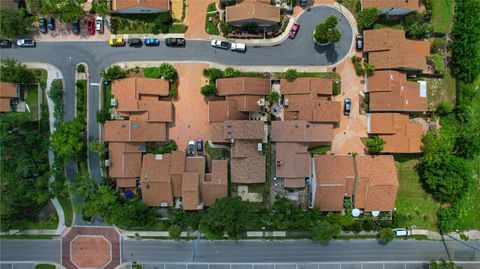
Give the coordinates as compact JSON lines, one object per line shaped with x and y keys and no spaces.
{"x":401,"y":232}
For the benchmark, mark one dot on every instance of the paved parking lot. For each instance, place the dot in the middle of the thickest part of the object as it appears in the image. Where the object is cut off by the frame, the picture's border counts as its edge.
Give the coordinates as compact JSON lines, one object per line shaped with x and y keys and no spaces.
{"x":329,"y":265}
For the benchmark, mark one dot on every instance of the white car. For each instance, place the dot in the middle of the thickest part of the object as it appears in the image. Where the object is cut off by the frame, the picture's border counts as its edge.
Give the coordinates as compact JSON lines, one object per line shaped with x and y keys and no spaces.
{"x":220,"y":44}
{"x":401,"y":232}
{"x":191,"y":148}
{"x":99,"y":24}
{"x":238,"y":47}
{"x":26,"y":43}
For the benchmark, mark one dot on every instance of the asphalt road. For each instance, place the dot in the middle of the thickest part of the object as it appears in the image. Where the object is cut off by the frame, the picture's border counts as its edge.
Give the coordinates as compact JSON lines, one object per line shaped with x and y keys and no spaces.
{"x":30,"y":250}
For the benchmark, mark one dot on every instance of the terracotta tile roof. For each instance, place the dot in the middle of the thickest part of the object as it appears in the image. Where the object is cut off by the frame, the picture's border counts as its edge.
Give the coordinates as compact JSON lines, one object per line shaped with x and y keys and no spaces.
{"x":8,"y":90}
{"x":242,"y":86}
{"x":293,"y":161}
{"x":178,"y":162}
{"x":301,"y":131}
{"x":125,"y":159}
{"x":400,"y":135}
{"x":247,"y":163}
{"x":236,"y":129}
{"x":252,"y":10}
{"x":196,"y":165}
{"x":177,"y":185}
{"x":219,"y":111}
{"x":190,"y":191}
{"x":215,"y":185}
{"x":379,"y":175}
{"x":412,"y":5}
{"x":247,"y":103}
{"x":155,"y":180}
{"x":331,"y":176}
{"x":327,"y":111}
{"x":294,"y":183}
{"x":316,"y":86}
{"x":134,"y":131}
{"x":126,"y":182}
{"x":118,"y":5}
{"x":389,"y":49}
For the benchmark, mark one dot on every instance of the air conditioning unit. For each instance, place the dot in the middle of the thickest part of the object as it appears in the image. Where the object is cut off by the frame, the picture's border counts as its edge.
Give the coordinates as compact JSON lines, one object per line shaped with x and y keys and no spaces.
{"x":113,"y":102}
{"x":259,"y":147}
{"x":107,"y":163}
{"x":285,"y":102}
{"x":164,"y":205}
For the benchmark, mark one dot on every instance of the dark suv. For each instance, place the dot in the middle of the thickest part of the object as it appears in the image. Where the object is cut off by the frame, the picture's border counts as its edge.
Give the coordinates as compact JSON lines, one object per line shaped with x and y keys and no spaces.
{"x":42,"y":25}
{"x":134,"y":42}
{"x":51,"y":23}
{"x":200,"y":147}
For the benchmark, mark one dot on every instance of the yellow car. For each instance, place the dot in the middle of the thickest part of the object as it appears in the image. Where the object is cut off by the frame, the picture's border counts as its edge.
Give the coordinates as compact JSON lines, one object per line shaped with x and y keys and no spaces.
{"x":116,"y":42}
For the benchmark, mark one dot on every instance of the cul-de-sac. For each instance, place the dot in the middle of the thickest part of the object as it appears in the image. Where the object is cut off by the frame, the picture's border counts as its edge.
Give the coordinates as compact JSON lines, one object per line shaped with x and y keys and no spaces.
{"x":239,"y":134}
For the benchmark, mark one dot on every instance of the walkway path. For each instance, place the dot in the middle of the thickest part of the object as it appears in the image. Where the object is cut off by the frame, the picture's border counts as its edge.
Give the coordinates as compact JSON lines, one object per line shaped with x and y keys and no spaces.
{"x":53,"y":73}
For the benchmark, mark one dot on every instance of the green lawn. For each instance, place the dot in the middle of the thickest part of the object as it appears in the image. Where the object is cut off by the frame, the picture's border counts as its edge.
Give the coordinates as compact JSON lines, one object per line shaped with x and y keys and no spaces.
{"x":41,"y":74}
{"x":40,"y":225}
{"x":67,"y":209}
{"x":44,"y":266}
{"x":27,"y":237}
{"x":31,"y":99}
{"x":442,"y":15}
{"x":351,"y":5}
{"x":177,"y":28}
{"x":211,"y":7}
{"x":137,"y":266}
{"x":320,"y":150}
{"x":211,"y":26}
{"x":217,"y":154}
{"x":440,"y":89}
{"x":412,"y":200}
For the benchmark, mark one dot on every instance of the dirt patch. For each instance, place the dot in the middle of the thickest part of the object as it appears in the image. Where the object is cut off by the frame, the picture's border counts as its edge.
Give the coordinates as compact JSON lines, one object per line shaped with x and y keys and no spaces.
{"x":177,"y":9}
{"x":190,"y":107}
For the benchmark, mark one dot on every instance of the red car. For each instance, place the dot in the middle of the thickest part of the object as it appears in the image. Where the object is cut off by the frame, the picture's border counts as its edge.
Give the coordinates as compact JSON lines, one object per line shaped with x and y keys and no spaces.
{"x":294,"y":31}
{"x":91,"y":26}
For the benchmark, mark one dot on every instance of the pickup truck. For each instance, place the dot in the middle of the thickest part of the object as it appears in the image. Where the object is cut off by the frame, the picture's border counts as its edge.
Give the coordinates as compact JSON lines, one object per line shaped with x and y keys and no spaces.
{"x":175,"y":42}
{"x":26,"y":43}
{"x":220,"y":44}
{"x":238,"y":47}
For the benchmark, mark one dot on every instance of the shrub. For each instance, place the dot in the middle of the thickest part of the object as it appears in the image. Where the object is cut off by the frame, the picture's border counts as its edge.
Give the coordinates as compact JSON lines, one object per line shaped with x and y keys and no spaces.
{"x":437,"y":60}
{"x":369,"y":69}
{"x":152,"y":72}
{"x":225,"y":28}
{"x":81,"y":68}
{"x":230,"y":72}
{"x":444,"y":108}
{"x":291,"y":74}
{"x":324,"y":231}
{"x":357,"y":63}
{"x":337,"y":88}
{"x":437,"y":45}
{"x":208,"y":90}
{"x":212,"y":74}
{"x":327,"y":32}
{"x":56,"y":94}
{"x":375,"y":144}
{"x":169,"y":147}
{"x":273,"y":97}
{"x":173,"y":90}
{"x":367,"y":17}
{"x":114,"y":72}
{"x":416,"y":27}
{"x":167,"y":71}
{"x":103,"y":115}
{"x":175,"y":232}
{"x":387,"y":235}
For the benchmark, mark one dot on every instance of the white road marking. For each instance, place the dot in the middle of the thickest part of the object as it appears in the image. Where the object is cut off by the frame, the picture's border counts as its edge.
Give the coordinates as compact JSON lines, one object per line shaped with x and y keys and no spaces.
{"x":94,"y":84}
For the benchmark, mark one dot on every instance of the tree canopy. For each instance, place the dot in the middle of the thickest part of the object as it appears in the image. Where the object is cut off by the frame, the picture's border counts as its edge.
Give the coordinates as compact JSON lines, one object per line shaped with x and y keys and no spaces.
{"x":167,"y":71}
{"x":67,"y":140}
{"x":14,"y":24}
{"x":324,"y":231}
{"x":367,"y":17}
{"x":375,"y":144}
{"x":114,"y":72}
{"x":14,"y":71}
{"x":327,"y":32}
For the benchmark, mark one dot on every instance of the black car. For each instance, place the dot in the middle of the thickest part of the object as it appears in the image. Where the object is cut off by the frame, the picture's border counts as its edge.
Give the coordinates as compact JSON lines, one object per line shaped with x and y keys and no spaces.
{"x":175,"y":42}
{"x":76,"y":26}
{"x":5,"y":43}
{"x":134,"y":42}
{"x":200,"y":147}
{"x":303,"y":3}
{"x":359,"y":42}
{"x":42,"y":25}
{"x":51,"y":23}
{"x":347,"y":106}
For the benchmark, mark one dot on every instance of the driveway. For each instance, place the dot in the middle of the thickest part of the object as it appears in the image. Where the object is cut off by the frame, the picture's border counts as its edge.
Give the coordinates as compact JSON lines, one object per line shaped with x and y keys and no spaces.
{"x":196,"y":12}
{"x":346,"y":138}
{"x":191,"y":109}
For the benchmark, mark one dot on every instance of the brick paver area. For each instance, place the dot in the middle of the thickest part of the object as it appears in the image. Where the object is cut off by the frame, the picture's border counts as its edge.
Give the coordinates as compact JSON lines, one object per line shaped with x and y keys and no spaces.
{"x":91,"y":247}
{"x":196,"y":12}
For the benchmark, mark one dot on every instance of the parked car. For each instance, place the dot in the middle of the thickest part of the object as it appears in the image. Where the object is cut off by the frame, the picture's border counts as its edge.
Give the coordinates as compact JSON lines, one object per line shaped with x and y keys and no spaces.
{"x":191,"y":148}
{"x":347,"y":106}
{"x":76,"y":26}
{"x":151,"y":42}
{"x":303,"y":3}
{"x":26,"y":43}
{"x":294,"y":31}
{"x":359,"y":42}
{"x":51,"y":24}
{"x":5,"y":43}
{"x":220,"y":44}
{"x":238,"y":47}
{"x":91,"y":26}
{"x":42,"y":25}
{"x":99,"y":24}
{"x":175,"y":42}
{"x":200,"y":147}
{"x":115,"y":42}
{"x":135,"y":42}
{"x":401,"y":232}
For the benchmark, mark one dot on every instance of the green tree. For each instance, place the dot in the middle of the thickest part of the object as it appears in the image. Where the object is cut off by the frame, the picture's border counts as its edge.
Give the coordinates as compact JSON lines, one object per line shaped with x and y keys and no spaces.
{"x":273,"y":97}
{"x":14,"y":24}
{"x":416,"y":27}
{"x":167,"y":71}
{"x":387,"y":235}
{"x":327,"y":32}
{"x":103,"y":115}
{"x":230,"y":72}
{"x":375,"y":144}
{"x":468,"y":139}
{"x":442,"y":264}
{"x":324,"y":231}
{"x":208,"y":90}
{"x":56,"y":94}
{"x":114,"y":72}
{"x":67,"y":140}
{"x":100,"y":7}
{"x":13,"y":71}
{"x":444,"y":107}
{"x":97,"y":146}
{"x":212,"y":74}
{"x":175,"y":232}
{"x":446,"y":175}
{"x":229,"y":215}
{"x":367,"y":17}
{"x":448,"y":219}
{"x":291,"y":74}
